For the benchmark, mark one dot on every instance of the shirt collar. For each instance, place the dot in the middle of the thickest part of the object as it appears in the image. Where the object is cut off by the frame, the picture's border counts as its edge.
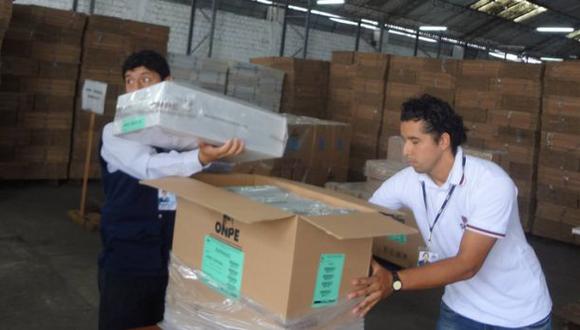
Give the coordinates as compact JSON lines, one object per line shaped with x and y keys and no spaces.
{"x":455,"y":175}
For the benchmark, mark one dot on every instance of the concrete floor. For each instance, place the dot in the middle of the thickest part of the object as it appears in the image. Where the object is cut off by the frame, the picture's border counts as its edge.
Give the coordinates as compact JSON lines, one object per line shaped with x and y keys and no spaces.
{"x":48,"y":267}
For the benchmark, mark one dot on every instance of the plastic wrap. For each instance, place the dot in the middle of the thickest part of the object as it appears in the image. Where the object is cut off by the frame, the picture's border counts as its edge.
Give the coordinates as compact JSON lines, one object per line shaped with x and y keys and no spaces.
{"x":382,"y":169}
{"x":362,"y":190}
{"x":287,"y":201}
{"x":171,"y":116}
{"x":191,"y":303}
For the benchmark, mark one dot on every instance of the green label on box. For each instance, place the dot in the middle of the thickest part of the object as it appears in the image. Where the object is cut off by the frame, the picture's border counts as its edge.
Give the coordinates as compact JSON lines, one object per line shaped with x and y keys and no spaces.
{"x":133,"y":123}
{"x":223,"y":264}
{"x":328,"y":280}
{"x":401,"y":239}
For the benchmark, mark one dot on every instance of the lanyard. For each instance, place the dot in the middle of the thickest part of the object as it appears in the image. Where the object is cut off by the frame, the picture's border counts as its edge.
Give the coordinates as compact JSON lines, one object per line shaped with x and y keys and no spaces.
{"x":431,"y":227}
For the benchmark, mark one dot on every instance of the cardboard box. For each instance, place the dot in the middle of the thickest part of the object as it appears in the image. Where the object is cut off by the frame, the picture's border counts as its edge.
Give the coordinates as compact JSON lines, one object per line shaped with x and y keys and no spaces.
{"x":289,"y":264}
{"x":402,"y":250}
{"x":172,"y":116}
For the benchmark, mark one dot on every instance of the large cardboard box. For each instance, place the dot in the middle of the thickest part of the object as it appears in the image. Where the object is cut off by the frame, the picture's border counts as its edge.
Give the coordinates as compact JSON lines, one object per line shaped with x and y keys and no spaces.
{"x":290,"y":264}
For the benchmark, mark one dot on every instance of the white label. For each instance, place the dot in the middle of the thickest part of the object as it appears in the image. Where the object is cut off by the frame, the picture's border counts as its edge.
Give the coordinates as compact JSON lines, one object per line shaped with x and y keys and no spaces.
{"x":94,"y":94}
{"x":167,"y":201}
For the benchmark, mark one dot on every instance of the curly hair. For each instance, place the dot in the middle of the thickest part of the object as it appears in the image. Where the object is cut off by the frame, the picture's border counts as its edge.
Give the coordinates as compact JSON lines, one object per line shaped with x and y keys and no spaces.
{"x":149,"y":59}
{"x":439,"y":118}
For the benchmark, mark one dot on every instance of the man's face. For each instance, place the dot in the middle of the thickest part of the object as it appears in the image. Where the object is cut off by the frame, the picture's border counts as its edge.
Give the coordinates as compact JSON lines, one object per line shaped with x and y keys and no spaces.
{"x":139,"y":78}
{"x":420,"y":148}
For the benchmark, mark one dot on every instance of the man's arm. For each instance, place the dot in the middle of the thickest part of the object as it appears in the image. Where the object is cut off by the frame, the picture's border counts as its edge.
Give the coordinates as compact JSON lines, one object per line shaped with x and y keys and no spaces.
{"x":143,"y":162}
{"x":473,"y":250}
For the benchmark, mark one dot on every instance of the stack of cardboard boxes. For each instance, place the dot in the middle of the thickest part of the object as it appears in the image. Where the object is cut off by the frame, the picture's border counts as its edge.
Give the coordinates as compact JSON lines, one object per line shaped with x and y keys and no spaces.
{"x":558,"y":191}
{"x":40,"y":62}
{"x":317,"y":151}
{"x":367,"y":112}
{"x":256,"y":84}
{"x":340,"y":87}
{"x":5,"y":15}
{"x":305,"y":85}
{"x":500,"y":103}
{"x":207,"y":73}
{"x":411,"y":77}
{"x":107,"y":43}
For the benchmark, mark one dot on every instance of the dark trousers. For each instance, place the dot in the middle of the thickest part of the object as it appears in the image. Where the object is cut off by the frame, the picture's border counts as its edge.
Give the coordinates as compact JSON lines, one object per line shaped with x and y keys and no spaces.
{"x":130,"y":301}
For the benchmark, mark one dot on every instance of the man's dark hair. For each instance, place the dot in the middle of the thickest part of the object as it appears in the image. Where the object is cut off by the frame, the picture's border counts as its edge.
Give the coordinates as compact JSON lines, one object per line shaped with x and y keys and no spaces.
{"x":439,"y":118}
{"x":149,"y":59}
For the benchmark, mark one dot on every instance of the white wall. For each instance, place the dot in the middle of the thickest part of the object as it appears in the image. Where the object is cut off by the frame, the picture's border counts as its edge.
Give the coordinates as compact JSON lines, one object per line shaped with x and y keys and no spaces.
{"x":237,"y":37}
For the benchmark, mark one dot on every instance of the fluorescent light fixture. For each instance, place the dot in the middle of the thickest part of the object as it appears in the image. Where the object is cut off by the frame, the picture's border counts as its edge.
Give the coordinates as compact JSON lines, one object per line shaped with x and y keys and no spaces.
{"x":298,"y":8}
{"x":432,"y":28}
{"x":530,"y":14}
{"x":534,"y":61}
{"x":369,"y":21}
{"x":508,"y":56}
{"x":323,"y":13}
{"x":368,"y":26}
{"x":555,"y":29}
{"x":553,"y":59}
{"x":343,"y":21}
{"x":329,"y":2}
{"x":266,"y":2}
{"x":409,"y":35}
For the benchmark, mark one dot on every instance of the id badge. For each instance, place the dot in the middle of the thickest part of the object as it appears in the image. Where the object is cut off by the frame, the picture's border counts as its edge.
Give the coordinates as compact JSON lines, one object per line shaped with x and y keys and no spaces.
{"x":426,"y":256}
{"x":166,"y":201}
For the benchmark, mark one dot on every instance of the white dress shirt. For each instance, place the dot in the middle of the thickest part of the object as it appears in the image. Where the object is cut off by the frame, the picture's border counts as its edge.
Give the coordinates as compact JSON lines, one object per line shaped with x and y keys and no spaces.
{"x":144,"y":162}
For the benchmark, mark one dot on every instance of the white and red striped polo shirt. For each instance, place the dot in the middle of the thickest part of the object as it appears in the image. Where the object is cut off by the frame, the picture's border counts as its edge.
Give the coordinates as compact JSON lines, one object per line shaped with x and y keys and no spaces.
{"x":510,"y":289}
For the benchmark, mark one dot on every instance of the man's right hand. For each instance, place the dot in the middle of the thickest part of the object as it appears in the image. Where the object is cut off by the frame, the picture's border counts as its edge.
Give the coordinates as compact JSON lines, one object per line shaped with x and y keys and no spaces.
{"x":209,"y":153}
{"x":374,"y":288}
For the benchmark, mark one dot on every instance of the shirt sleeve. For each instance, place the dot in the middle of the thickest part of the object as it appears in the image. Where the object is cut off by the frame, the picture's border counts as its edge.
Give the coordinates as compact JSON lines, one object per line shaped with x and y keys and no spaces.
{"x":389,"y":194}
{"x":494,"y":204}
{"x":143,"y":162}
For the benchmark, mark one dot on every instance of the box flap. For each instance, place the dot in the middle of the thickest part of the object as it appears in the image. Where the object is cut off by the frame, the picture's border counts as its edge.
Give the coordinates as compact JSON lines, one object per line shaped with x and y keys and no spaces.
{"x":359,"y":225}
{"x":220,"y":200}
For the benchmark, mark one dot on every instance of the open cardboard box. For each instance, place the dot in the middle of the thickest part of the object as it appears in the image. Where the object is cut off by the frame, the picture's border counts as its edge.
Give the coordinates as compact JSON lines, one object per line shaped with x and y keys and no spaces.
{"x":292,"y":265}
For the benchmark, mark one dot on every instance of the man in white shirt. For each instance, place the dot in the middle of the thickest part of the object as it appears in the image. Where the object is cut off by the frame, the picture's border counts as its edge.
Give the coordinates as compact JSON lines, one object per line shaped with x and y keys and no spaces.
{"x":137,"y":221}
{"x":467,"y":212}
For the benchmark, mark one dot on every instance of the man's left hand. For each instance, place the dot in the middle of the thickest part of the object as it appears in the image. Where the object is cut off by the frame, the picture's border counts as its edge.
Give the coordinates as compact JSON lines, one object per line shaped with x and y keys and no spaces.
{"x":374,"y":288}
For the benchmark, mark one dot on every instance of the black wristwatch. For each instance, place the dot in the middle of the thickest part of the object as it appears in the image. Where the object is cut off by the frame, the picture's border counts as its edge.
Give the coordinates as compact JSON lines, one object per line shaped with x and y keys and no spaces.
{"x":397,"y":285}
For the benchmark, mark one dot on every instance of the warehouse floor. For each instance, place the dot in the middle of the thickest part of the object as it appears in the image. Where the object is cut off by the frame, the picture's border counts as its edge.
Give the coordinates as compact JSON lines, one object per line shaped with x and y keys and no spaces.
{"x":48,"y":267}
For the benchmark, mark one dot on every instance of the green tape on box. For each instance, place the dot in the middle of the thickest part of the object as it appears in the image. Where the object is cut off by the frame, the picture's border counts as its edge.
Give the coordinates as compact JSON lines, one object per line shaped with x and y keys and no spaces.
{"x":223,"y":264}
{"x":132,"y":124}
{"x":401,"y":239}
{"x":328,"y":280}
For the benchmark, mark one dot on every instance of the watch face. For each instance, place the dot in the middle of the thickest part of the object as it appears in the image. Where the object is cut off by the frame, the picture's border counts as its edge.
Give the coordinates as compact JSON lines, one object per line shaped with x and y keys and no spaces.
{"x":397,"y":285}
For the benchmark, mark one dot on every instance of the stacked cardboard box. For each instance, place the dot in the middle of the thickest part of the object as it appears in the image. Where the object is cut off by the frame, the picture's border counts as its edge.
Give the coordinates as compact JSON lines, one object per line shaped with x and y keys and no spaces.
{"x":288,"y":251}
{"x":317,"y":151}
{"x":107,"y":43}
{"x":340,"y":87}
{"x":558,"y":191}
{"x":207,"y":73}
{"x":500,"y":103}
{"x":256,"y":84}
{"x":410,"y":77}
{"x":305,"y":85}
{"x":367,"y":109}
{"x":41,"y":57}
{"x":5,"y":15}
